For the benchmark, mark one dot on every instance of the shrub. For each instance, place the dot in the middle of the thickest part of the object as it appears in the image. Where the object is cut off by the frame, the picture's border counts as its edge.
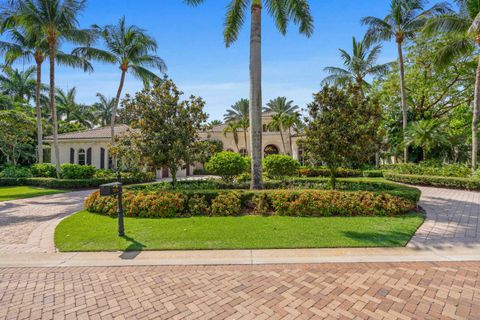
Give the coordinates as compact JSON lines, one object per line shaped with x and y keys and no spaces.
{"x":227,"y":165}
{"x":373,"y":173}
{"x":226,"y":204}
{"x":103,"y":173}
{"x":262,"y":204}
{"x":449,"y":170}
{"x":159,"y":205}
{"x":436,"y":181}
{"x":16,"y":172}
{"x":76,"y":171}
{"x":198,"y":206}
{"x":325,"y":172}
{"x":45,"y":170}
{"x":279,"y":166}
{"x":199,"y":172}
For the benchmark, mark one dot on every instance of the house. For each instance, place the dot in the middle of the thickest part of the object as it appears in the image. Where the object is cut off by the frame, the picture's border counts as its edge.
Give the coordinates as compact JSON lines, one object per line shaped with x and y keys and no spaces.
{"x":90,"y":147}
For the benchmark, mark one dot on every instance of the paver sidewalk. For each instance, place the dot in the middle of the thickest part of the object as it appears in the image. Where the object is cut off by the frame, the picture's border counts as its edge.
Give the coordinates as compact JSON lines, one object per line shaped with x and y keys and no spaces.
{"x":28,"y":225}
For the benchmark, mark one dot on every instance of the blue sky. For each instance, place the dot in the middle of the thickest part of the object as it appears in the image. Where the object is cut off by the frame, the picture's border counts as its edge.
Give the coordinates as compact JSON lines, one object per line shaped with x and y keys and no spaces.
{"x":191,"y":43}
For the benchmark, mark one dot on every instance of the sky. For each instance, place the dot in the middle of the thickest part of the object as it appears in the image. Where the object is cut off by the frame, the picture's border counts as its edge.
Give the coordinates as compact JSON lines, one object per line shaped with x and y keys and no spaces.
{"x":190,"y":40}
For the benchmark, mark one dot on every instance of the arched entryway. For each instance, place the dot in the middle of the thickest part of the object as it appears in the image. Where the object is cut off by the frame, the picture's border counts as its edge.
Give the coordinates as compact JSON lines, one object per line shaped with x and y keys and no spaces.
{"x":270,"y":149}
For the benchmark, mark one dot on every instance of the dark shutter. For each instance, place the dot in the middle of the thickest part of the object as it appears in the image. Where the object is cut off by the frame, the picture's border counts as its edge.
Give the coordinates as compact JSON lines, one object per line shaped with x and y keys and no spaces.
{"x":89,"y":156}
{"x":72,"y":155}
{"x":102,"y":158}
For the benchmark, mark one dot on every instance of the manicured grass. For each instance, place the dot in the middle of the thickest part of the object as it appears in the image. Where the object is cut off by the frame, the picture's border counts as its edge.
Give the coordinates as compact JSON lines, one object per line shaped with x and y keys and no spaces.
{"x":85,"y":231}
{"x":12,"y":193}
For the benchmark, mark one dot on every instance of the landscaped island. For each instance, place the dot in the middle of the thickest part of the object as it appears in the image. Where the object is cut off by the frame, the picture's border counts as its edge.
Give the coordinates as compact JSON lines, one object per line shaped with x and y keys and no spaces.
{"x":298,"y":213}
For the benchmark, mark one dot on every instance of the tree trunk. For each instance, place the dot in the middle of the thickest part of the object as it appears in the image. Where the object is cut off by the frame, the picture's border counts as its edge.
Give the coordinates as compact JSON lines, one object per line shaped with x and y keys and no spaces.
{"x":39,"y":114}
{"x":290,"y":140}
{"x":403,"y":97}
{"x":114,"y":111}
{"x":245,"y":139}
{"x":53,"y":106}
{"x":476,"y":102}
{"x":256,"y":96}
{"x":283,"y":140}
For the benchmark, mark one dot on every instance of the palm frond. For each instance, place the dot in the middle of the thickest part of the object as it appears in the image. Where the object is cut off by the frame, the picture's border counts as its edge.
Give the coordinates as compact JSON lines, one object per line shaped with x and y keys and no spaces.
{"x":235,"y":17}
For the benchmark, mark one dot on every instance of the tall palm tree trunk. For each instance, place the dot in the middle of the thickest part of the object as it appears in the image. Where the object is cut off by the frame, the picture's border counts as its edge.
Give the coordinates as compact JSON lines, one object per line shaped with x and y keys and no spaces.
{"x":115,"y":107}
{"x":256,"y":95}
{"x":39,"y":113}
{"x":53,"y":106}
{"x":290,"y":140}
{"x":476,"y":102}
{"x":403,"y":97}
{"x":283,"y":140}
{"x":245,"y":139}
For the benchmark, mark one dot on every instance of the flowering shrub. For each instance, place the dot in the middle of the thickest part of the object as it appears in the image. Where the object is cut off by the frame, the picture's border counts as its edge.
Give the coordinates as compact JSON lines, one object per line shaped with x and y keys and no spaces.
{"x":226,"y":204}
{"x":198,"y":205}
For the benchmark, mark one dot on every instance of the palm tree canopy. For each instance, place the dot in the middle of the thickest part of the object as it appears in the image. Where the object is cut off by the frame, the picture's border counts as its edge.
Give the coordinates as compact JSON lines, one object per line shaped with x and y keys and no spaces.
{"x":280,"y":105}
{"x":426,"y":134}
{"x":238,"y":112}
{"x":103,"y":109}
{"x":297,"y":11}
{"x":20,"y":85}
{"x":128,"y":46}
{"x":70,"y":110}
{"x":404,"y":20}
{"x":358,"y":65}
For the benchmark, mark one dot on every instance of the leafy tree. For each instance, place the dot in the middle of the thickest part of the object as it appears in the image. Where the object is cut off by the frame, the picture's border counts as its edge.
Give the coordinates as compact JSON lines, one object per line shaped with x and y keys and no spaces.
{"x":358,"y":65}
{"x":239,"y":113}
{"x":297,"y":11}
{"x":129,"y":47}
{"x":402,"y":23}
{"x":463,"y":31}
{"x":52,"y":22}
{"x":103,"y":109}
{"x":208,"y":148}
{"x":426,"y":134}
{"x":16,"y":136}
{"x":167,"y":127}
{"x":25,"y":46}
{"x":341,"y":129}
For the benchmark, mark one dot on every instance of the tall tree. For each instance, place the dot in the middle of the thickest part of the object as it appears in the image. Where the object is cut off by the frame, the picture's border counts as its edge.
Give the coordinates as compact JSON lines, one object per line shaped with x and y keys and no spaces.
{"x":463,"y":31}
{"x":69,"y":110}
{"x":357,"y":66}
{"x":284,"y":11}
{"x":103,"y":109}
{"x":232,"y":126}
{"x":240,"y":112}
{"x":24,"y":47}
{"x":18,"y":84}
{"x":402,"y":23}
{"x":281,"y":109}
{"x":132,"y":49}
{"x":53,"y":22}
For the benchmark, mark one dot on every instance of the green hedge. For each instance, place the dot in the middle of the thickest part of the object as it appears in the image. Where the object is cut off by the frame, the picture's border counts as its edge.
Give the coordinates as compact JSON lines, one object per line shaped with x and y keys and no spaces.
{"x":75,"y":183}
{"x":373,"y":173}
{"x":347,"y":184}
{"x":324,"y":172}
{"x":165,"y":204}
{"x":426,"y":169}
{"x":436,"y":181}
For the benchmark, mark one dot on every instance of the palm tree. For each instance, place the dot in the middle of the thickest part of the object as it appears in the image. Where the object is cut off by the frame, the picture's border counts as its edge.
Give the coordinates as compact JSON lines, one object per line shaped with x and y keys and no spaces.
{"x":292,"y":121}
{"x":52,"y":22}
{"x":69,"y":110}
{"x":18,"y":84}
{"x":131,"y":48}
{"x":404,"y":20}
{"x":232,"y":127}
{"x":103,"y":109}
{"x":463,"y":33}
{"x":280,"y":108}
{"x":283,"y":11}
{"x":239,"y":112}
{"x":27,"y":46}
{"x":426,"y":134}
{"x":277,"y":125}
{"x":360,"y":64}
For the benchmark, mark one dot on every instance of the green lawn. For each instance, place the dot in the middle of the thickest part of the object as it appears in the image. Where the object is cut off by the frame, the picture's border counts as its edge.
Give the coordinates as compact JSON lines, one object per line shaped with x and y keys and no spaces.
{"x":84,"y":231}
{"x":12,"y":193}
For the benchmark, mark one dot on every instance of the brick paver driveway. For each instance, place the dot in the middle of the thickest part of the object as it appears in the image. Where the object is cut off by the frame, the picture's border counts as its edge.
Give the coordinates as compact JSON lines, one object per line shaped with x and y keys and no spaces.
{"x":444,"y":290}
{"x":27,"y":225}
{"x":452,"y":218}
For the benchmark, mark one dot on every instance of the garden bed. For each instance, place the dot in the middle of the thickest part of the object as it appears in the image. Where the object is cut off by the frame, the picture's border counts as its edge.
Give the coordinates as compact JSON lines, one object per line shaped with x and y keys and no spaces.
{"x":435,"y":181}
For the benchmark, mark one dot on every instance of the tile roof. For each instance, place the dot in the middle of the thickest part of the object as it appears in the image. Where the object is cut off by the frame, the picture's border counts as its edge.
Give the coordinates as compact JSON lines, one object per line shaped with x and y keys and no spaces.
{"x":97,"y":133}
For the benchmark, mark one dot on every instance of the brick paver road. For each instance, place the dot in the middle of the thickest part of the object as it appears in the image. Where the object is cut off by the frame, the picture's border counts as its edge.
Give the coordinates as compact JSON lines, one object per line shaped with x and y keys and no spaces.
{"x":444,"y":290}
{"x":27,"y":225}
{"x":452,"y":218}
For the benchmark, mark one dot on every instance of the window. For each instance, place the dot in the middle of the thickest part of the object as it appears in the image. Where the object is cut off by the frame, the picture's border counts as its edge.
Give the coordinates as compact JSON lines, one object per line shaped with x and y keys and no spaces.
{"x":81,"y":157}
{"x":72,"y":155}
{"x":102,"y":158}
{"x":110,"y":162}
{"x":243,"y":152}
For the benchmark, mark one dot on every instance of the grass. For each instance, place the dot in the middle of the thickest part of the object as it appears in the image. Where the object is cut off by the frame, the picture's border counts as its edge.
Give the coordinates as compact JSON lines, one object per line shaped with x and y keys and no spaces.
{"x":12,"y":193}
{"x":85,"y":231}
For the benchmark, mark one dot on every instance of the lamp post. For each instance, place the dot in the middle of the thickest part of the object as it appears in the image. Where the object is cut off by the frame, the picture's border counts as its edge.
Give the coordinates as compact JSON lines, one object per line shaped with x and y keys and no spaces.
{"x":111,"y":189}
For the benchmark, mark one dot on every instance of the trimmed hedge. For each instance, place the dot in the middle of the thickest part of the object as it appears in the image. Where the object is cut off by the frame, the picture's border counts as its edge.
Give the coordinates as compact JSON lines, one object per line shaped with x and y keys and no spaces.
{"x":324,"y":172}
{"x":436,"y":181}
{"x":373,"y":173}
{"x":271,"y":202}
{"x":76,"y":183}
{"x":447,"y":170}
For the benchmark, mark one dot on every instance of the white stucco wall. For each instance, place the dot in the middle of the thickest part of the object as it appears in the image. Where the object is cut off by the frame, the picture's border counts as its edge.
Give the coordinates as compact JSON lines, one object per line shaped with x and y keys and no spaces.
{"x":96,"y":145}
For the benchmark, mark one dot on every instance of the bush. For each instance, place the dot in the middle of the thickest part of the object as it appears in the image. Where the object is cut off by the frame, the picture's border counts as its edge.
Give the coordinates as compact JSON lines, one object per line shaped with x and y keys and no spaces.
{"x":226,"y":204}
{"x":279,"y":166}
{"x":436,"y":181}
{"x":44,"y":170}
{"x":199,"y":172}
{"x":373,"y":173}
{"x":273,"y":202}
{"x":103,"y":173}
{"x":449,"y":170}
{"x":15,"y":172}
{"x":325,"y":172}
{"x":227,"y":165}
{"x":76,"y":171}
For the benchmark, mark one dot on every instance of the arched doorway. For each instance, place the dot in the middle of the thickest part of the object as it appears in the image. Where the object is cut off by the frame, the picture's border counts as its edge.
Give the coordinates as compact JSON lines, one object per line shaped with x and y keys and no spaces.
{"x":270,"y":149}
